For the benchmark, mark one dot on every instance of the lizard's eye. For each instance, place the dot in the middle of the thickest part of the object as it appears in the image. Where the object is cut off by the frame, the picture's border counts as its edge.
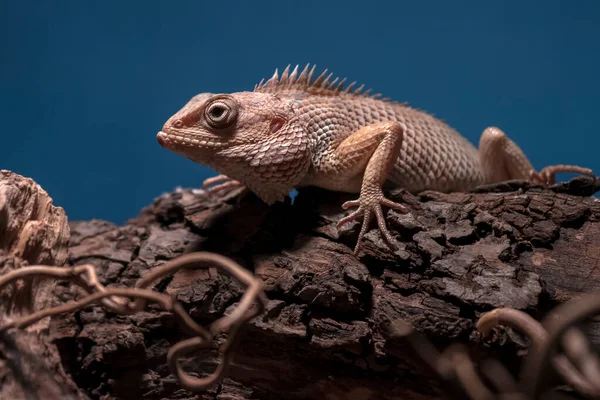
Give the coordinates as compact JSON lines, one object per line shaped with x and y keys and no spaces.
{"x":221,"y":113}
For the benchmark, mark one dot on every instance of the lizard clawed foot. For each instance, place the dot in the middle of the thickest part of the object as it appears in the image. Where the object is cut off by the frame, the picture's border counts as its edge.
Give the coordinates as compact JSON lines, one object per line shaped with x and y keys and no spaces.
{"x":367,"y":206}
{"x":547,"y":175}
{"x":219,"y":183}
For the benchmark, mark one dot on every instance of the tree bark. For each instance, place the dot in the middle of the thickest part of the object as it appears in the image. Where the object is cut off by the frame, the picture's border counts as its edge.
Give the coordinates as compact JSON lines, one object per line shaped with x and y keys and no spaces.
{"x":32,"y":231}
{"x":327,"y":332}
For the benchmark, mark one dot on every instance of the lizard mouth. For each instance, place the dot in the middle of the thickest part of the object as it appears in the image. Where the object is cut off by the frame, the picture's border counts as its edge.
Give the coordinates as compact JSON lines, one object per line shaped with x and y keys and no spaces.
{"x":169,"y":141}
{"x":161,"y":137}
{"x":173,"y":141}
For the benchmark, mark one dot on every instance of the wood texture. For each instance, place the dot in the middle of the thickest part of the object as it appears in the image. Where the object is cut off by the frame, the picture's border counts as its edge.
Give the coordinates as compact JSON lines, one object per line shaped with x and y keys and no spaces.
{"x":326,"y":333}
{"x":32,"y":231}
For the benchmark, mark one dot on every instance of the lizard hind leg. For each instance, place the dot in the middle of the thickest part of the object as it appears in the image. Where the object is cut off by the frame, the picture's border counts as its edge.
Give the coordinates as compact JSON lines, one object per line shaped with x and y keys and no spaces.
{"x":378,"y":146}
{"x":502,"y":159}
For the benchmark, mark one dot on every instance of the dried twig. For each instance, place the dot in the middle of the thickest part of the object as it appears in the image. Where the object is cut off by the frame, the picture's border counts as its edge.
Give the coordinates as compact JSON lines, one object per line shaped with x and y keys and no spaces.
{"x":559,"y":322}
{"x":133,"y":300}
{"x":539,"y":336}
{"x":460,"y":377}
{"x":579,"y":366}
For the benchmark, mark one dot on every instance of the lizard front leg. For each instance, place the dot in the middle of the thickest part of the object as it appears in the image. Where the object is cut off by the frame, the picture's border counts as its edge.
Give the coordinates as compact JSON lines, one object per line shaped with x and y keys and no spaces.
{"x":367,"y":157}
{"x":503,"y":160}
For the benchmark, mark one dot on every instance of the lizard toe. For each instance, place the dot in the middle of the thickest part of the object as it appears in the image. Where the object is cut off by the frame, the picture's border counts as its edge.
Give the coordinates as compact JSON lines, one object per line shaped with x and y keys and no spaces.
{"x":351,"y":203}
{"x":363,"y":230}
{"x":547,"y":175}
{"x":219,"y":183}
{"x":214,"y":180}
{"x":394,"y":206}
{"x":383,"y":227}
{"x":355,"y":215}
{"x":367,"y":208}
{"x":225,"y":186}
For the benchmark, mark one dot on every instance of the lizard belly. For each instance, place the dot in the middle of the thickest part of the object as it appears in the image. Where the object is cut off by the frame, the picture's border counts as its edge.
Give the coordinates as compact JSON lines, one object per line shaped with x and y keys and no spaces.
{"x":336,"y":184}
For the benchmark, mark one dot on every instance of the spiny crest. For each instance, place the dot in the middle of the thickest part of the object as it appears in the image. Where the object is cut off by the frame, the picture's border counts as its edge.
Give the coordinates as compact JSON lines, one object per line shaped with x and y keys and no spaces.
{"x":323,"y":84}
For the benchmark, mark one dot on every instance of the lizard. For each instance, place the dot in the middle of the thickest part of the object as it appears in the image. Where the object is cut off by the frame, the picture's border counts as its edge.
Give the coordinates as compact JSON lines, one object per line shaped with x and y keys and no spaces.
{"x":297,"y":129}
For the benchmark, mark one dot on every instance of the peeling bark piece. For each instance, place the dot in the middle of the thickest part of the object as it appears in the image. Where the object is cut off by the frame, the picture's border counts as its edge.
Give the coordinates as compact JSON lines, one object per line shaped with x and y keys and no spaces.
{"x":460,"y":233}
{"x":330,"y":334}
{"x":31,"y":227}
{"x":32,"y":231}
{"x":428,"y":245}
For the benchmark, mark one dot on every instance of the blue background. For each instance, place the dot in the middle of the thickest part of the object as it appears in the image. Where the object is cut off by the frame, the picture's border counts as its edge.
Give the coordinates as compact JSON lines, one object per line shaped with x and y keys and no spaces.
{"x":85,"y":85}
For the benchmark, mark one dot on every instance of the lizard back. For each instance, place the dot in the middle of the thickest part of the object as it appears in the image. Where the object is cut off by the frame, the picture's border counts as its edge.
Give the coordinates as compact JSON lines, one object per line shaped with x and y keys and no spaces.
{"x":433,"y":154}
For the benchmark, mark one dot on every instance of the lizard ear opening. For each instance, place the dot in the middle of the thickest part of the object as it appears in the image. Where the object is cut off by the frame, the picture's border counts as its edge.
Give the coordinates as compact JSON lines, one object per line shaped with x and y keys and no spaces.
{"x":276,"y":124}
{"x":221,"y":112}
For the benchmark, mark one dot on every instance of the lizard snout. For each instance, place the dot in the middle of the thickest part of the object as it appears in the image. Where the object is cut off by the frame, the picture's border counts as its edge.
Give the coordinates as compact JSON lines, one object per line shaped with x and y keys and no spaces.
{"x":160,"y":137}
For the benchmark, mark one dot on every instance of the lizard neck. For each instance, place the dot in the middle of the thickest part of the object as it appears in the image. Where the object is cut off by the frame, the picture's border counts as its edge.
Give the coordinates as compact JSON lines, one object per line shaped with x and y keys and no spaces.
{"x":272,"y":168}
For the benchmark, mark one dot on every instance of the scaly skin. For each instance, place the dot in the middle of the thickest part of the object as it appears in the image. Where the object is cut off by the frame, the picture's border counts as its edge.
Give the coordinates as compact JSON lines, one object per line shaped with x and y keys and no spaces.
{"x":295,"y":131}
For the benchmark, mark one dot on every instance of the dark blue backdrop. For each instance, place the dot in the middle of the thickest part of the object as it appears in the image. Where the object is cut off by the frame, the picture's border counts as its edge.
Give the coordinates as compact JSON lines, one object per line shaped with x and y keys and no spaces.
{"x":85,"y":85}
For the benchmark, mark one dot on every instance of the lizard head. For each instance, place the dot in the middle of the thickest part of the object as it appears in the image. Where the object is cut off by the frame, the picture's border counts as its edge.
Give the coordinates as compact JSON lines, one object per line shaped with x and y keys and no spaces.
{"x":255,"y":138}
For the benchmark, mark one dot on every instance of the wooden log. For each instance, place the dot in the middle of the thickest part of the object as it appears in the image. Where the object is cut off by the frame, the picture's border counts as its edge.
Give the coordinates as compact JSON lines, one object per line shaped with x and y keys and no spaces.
{"x":327,"y":330}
